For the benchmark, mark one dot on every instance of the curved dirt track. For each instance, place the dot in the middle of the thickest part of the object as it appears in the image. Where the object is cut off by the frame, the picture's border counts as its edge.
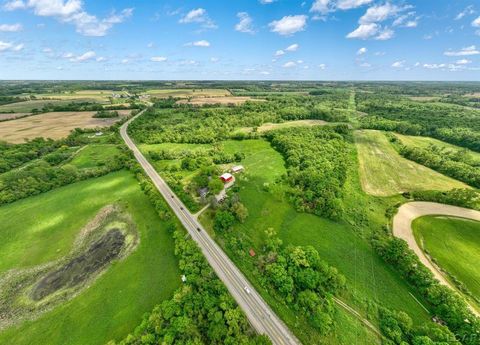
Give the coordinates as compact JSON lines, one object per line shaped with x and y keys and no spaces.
{"x":407,"y":213}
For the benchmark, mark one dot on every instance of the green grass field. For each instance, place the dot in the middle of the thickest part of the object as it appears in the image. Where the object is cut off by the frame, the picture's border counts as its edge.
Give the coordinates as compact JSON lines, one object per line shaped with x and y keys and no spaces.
{"x":182,"y":93}
{"x":455,"y":244}
{"x":94,"y":155}
{"x":384,"y":172}
{"x":425,"y":142}
{"x":42,"y":228}
{"x":367,"y":275}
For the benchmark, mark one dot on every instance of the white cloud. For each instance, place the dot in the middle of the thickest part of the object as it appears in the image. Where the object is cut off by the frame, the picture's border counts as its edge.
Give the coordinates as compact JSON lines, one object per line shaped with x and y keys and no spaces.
{"x":292,"y":48}
{"x":125,"y":61}
{"x":245,"y":24}
{"x":467,"y":51}
{"x":265,"y":73}
{"x":150,"y":45}
{"x":201,"y":43}
{"x":365,"y":64}
{"x":289,"y":64}
{"x":362,"y":51}
{"x":434,"y":65}
{"x":14,"y":5}
{"x":84,"y":57}
{"x":385,"y":35}
{"x":200,"y":16}
{"x":9,"y":46}
{"x":101,"y":59}
{"x":349,"y":4}
{"x":11,"y":27}
{"x":380,"y":13}
{"x":476,"y":23}
{"x":214,"y":59}
{"x":325,"y":6}
{"x":279,"y":53}
{"x":364,"y":31}
{"x":158,"y":59}
{"x":463,"y":62}
{"x":322,"y":66}
{"x":265,"y":2}
{"x":398,"y":64}
{"x":406,"y":20}
{"x":467,"y":11}
{"x":321,"y":6}
{"x":72,"y":12}
{"x":289,"y":25}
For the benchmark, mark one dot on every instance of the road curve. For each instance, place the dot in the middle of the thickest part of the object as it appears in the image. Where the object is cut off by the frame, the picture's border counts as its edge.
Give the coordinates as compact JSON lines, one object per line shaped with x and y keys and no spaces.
{"x":402,"y":228}
{"x":259,"y":314}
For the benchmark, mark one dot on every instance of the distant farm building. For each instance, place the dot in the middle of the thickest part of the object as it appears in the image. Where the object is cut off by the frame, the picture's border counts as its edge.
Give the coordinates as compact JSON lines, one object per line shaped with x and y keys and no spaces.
{"x":226,"y":177}
{"x":238,"y":168}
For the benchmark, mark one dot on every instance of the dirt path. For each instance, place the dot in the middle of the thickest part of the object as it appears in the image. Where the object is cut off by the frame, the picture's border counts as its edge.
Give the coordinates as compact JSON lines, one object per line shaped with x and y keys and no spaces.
{"x":402,"y":228}
{"x":358,"y":316}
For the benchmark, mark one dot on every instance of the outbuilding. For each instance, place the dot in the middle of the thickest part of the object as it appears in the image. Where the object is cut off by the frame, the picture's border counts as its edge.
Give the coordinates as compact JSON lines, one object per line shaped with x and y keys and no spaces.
{"x":226,"y":177}
{"x":237,"y":169}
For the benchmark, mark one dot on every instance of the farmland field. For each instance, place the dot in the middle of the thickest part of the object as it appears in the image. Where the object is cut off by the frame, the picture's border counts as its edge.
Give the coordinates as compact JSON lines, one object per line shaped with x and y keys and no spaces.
{"x":93,"y":155}
{"x":183,"y":93}
{"x":425,"y":142}
{"x":28,"y":106}
{"x":54,"y":125}
{"x":115,"y":302}
{"x":270,"y":126}
{"x":454,"y":243}
{"x":367,"y":275}
{"x":384,"y":172}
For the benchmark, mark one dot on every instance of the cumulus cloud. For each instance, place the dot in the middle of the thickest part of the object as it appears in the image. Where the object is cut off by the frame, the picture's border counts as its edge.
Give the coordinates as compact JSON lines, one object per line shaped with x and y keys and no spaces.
{"x":279,"y":53}
{"x":266,"y":2}
{"x":467,"y":51}
{"x":463,"y":62}
{"x":201,"y":43}
{"x":11,"y":27}
{"x":380,"y":13}
{"x":289,"y":25}
{"x":398,"y":64}
{"x":199,"y":16}
{"x":72,"y":12}
{"x":289,"y":64}
{"x":322,"y":66}
{"x":9,"y":46}
{"x":292,"y":48}
{"x":325,"y":6}
{"x":364,"y":31}
{"x":476,"y":23}
{"x":245,"y":24}
{"x":362,"y":51}
{"x":158,"y":59}
{"x":81,"y":58}
{"x":386,"y":34}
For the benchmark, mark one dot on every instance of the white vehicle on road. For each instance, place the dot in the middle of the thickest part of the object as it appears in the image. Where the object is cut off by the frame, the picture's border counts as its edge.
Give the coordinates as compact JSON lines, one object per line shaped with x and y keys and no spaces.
{"x":247,"y":290}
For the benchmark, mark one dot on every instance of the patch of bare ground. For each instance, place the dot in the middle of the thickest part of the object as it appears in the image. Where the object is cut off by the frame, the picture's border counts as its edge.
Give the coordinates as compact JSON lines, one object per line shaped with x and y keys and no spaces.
{"x":53,"y":125}
{"x":25,"y":294}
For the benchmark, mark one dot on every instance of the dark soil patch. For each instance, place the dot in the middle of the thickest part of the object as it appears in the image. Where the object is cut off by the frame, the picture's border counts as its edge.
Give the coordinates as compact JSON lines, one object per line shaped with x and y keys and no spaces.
{"x":80,"y":268}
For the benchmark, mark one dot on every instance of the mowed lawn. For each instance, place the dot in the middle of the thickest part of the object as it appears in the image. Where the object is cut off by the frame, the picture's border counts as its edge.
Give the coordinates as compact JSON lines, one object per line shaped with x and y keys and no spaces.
{"x":384,"y":172}
{"x":367,"y":275}
{"x":42,"y":228}
{"x":455,"y":244}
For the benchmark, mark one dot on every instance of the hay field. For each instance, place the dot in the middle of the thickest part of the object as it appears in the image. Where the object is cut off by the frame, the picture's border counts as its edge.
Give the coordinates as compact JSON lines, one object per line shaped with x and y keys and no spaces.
{"x":54,"y":125}
{"x":183,"y":93}
{"x":384,"y":172}
{"x":297,"y":123}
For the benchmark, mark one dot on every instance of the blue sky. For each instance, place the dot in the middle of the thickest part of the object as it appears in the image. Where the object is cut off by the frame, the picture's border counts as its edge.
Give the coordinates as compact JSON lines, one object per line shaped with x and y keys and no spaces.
{"x":240,"y":39}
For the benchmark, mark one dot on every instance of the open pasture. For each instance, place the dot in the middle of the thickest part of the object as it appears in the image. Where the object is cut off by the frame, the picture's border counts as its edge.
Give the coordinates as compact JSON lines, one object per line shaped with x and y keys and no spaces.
{"x":454,"y":243}
{"x":113,"y":304}
{"x":28,"y":106}
{"x":384,"y":172}
{"x":54,"y":125}
{"x":11,"y":116}
{"x":184,"y":93}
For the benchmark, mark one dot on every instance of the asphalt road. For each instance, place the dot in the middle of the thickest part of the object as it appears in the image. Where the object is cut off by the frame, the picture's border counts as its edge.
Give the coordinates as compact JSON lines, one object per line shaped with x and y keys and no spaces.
{"x":259,"y":314}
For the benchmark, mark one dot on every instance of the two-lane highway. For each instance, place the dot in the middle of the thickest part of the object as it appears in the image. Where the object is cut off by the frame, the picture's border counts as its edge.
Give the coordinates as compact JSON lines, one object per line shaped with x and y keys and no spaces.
{"x":261,"y":317}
